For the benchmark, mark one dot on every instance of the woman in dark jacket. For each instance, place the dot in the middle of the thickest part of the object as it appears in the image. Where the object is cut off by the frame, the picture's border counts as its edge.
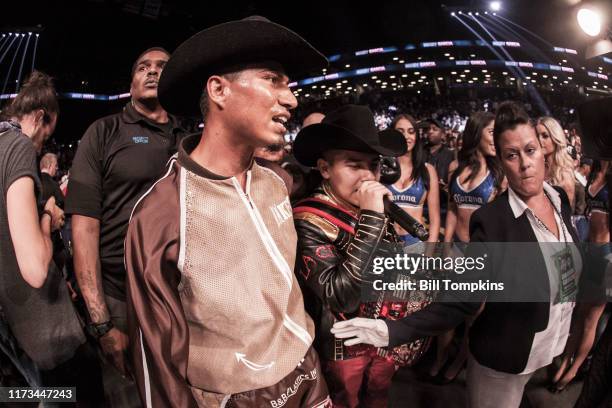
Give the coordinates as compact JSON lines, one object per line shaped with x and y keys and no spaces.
{"x":525,"y":325}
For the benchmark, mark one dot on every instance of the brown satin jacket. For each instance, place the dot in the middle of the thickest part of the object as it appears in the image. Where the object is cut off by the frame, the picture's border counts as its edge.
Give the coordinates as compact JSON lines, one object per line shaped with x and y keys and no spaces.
{"x":213,"y":304}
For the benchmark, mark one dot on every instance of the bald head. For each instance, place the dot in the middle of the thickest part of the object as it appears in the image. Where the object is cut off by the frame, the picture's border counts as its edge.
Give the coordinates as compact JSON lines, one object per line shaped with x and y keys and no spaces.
{"x":48,"y":164}
{"x":315,"y":117}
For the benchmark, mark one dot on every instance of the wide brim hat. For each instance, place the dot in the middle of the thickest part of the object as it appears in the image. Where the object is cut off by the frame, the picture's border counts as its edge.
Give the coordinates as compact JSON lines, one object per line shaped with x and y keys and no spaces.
{"x":350,"y":127}
{"x":230,"y":45}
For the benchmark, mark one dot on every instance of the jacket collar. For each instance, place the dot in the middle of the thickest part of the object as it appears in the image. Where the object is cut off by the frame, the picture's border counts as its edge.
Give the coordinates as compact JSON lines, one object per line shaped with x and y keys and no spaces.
{"x":187,"y":145}
{"x":131,"y":115}
{"x":9,"y":125}
{"x":518,"y":206}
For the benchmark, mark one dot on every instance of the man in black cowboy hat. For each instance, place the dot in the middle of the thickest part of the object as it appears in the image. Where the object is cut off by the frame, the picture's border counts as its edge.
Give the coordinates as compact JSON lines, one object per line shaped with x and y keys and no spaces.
{"x":216,"y":314}
{"x":341,"y":228}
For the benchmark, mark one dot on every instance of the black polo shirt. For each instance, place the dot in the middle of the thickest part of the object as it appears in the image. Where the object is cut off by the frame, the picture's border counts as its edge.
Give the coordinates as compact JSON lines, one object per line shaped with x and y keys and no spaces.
{"x":441,"y":159}
{"x":118,"y":159}
{"x":50,"y":187}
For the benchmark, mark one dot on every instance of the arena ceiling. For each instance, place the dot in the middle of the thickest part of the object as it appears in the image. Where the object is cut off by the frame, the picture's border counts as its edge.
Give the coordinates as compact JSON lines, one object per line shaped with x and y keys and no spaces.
{"x":90,"y":45}
{"x":95,"y":41}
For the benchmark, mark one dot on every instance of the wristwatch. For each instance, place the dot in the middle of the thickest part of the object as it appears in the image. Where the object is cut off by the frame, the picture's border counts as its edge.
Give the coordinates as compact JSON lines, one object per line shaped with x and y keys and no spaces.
{"x":98,"y":330}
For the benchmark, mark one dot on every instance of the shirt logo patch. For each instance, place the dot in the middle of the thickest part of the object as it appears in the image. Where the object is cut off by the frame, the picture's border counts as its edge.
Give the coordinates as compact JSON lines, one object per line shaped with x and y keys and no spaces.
{"x":282,"y":212}
{"x":140,"y":139}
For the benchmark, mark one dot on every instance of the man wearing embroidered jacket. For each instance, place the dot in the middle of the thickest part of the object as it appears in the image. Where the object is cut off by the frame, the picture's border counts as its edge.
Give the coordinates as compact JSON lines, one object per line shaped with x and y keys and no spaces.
{"x":341,"y":228}
{"x":215,"y":313}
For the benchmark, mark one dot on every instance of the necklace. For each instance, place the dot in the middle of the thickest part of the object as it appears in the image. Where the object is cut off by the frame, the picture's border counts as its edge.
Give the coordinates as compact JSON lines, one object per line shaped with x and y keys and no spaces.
{"x":542,"y":225}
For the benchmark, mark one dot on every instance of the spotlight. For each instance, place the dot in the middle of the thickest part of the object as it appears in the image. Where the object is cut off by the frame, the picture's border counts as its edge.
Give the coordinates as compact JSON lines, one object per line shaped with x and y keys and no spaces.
{"x":470,"y":13}
{"x":590,"y":21}
{"x":495,"y":5}
{"x":477,"y":13}
{"x":453,"y":14}
{"x":460,"y":12}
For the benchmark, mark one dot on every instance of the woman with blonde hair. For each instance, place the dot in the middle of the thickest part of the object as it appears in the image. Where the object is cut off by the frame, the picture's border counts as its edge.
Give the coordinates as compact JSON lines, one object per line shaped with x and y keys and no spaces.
{"x":559,"y":164}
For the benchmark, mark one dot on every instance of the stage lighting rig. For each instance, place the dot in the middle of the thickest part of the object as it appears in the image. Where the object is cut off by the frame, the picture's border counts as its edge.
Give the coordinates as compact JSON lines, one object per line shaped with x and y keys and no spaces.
{"x":589,"y":21}
{"x":594,"y":24}
{"x":495,"y":5}
{"x":23,"y":31}
{"x":468,"y":11}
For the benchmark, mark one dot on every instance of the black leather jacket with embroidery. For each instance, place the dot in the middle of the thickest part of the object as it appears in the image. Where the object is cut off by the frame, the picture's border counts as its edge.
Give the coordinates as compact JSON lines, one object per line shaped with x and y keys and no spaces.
{"x":336,"y":246}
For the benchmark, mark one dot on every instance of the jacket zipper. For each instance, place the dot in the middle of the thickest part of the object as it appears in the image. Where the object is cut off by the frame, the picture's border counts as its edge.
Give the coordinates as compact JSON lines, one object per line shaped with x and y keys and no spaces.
{"x":274,"y":253}
{"x":265,"y":236}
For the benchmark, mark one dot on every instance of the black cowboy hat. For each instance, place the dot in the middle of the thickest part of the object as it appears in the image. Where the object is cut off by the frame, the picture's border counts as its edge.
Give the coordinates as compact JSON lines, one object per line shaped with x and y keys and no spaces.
{"x":220,"y":48}
{"x":350,"y":127}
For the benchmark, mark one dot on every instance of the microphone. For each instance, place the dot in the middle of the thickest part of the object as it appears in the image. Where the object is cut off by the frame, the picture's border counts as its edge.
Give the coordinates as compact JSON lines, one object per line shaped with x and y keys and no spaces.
{"x":412,"y":226}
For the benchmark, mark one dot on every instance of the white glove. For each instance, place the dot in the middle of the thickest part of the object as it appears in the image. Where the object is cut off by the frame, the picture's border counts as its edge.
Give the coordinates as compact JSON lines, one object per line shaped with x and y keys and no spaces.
{"x":369,"y":331}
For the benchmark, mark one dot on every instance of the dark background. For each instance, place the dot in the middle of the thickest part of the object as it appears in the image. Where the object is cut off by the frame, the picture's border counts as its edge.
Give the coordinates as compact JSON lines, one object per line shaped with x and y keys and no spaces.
{"x":90,"y":45}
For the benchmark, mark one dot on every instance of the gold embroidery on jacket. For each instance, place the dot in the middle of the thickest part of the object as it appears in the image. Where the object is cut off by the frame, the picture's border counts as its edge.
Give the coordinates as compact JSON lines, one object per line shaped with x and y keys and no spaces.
{"x":331,"y":231}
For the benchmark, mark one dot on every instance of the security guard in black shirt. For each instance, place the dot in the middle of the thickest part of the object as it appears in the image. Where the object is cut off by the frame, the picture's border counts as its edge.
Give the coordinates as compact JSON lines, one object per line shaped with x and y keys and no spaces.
{"x":118,"y":160}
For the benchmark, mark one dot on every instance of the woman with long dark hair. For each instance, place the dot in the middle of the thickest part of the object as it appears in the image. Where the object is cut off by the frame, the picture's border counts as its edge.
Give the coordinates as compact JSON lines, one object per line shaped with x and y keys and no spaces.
{"x":418,"y":183}
{"x":475,"y":179}
{"x":597,"y":202}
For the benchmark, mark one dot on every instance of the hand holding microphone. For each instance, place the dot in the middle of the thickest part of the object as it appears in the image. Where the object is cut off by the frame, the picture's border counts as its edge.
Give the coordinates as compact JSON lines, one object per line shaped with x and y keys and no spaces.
{"x":376,"y":197}
{"x":370,"y":195}
{"x":407,"y":222}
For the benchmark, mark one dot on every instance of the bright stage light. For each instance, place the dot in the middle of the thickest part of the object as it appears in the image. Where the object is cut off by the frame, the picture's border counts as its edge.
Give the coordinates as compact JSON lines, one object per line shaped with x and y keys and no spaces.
{"x":590,"y":21}
{"x":453,"y":14}
{"x":495,"y":5}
